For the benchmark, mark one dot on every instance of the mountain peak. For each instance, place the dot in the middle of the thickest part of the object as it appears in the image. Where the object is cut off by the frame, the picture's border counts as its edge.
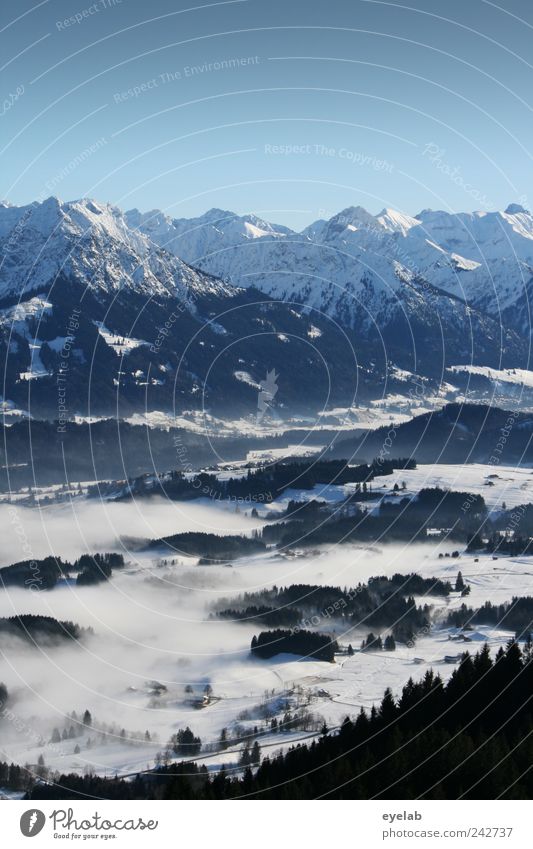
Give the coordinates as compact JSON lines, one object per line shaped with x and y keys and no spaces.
{"x":89,"y":242}
{"x":350,"y":219}
{"x":354,"y":215}
{"x":214,"y":214}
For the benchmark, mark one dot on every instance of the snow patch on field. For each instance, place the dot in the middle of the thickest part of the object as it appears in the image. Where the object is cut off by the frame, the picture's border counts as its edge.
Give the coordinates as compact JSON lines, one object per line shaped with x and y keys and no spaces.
{"x":17,"y":315}
{"x":120,"y":344}
{"x":518,"y":376}
{"x":246,"y":377}
{"x":497,"y":484}
{"x":36,"y":368}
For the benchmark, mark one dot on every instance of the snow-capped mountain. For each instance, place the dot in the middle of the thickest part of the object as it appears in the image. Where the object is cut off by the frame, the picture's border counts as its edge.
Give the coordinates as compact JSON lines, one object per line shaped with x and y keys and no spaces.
{"x":174,"y":313}
{"x":89,"y":242}
{"x":207,"y":235}
{"x":432,"y":277}
{"x":483,"y":258}
{"x":88,"y":299}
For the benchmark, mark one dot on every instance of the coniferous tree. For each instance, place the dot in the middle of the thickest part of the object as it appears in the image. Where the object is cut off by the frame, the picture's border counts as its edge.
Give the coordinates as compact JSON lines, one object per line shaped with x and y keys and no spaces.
{"x":255,"y":755}
{"x":388,"y":710}
{"x":390,"y":643}
{"x":528,"y":648}
{"x":244,"y":757}
{"x":185,"y":743}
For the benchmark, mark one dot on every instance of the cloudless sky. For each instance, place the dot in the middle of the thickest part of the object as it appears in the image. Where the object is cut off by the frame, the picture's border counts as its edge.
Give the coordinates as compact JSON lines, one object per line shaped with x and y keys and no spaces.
{"x":290,"y":109}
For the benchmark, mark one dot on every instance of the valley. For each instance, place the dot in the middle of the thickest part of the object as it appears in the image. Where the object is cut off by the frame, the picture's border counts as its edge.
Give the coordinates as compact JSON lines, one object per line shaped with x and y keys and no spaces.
{"x":156,"y":657}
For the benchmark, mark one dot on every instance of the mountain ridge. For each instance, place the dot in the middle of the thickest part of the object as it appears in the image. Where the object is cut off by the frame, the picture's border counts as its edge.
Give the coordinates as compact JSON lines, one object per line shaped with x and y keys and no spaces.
{"x":484,"y":258}
{"x":335,"y":310}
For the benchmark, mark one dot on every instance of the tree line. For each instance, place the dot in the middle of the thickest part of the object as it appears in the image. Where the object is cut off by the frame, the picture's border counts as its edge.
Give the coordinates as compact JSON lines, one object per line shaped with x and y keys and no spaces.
{"x":44,"y":574}
{"x":301,"y":642}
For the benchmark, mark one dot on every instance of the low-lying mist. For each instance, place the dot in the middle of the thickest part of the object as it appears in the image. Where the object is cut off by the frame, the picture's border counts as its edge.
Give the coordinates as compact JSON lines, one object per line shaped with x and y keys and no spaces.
{"x":70,"y":529}
{"x":151,"y":622}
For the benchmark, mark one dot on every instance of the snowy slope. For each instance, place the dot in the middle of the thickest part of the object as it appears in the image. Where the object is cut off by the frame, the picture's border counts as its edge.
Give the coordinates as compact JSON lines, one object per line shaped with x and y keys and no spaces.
{"x":353,"y":262}
{"x":402,"y":291}
{"x":319,"y":271}
{"x":486,"y":259}
{"x":356,"y":267}
{"x":172,"y":325}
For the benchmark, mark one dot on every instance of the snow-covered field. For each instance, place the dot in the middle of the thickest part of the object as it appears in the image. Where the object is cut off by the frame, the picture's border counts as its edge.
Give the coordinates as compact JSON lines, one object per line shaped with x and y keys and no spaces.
{"x":153,"y":635}
{"x":518,"y":376}
{"x":498,"y":485}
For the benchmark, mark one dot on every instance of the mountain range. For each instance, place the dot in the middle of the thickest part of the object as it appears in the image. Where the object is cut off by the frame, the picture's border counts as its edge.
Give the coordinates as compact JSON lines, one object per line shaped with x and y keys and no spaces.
{"x":356,"y":260}
{"x":130,"y":311}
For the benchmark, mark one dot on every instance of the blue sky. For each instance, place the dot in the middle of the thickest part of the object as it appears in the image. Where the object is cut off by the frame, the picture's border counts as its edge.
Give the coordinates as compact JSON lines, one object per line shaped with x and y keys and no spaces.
{"x":293,"y":110}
